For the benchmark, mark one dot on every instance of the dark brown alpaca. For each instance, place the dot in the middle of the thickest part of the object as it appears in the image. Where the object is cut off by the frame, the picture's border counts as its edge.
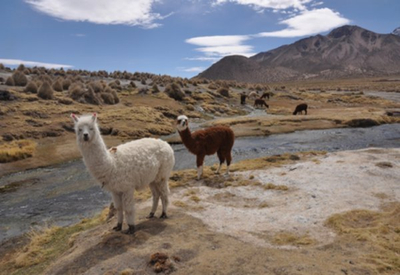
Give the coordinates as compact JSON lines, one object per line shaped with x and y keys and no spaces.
{"x":300,"y":108}
{"x":217,"y":139}
{"x":260,"y":102}
{"x":266,"y":95}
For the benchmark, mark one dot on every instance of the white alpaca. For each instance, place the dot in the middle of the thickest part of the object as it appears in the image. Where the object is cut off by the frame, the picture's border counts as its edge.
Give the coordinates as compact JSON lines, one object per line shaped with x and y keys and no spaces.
{"x":130,"y":166}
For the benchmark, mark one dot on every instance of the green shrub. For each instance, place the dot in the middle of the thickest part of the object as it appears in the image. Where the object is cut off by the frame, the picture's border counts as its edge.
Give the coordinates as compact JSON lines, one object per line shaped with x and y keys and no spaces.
{"x":45,"y":91}
{"x":21,"y":68}
{"x":2,"y":66}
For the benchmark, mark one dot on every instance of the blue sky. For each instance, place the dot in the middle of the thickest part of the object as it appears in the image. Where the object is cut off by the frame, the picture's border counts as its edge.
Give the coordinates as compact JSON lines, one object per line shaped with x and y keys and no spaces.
{"x":173,"y":37}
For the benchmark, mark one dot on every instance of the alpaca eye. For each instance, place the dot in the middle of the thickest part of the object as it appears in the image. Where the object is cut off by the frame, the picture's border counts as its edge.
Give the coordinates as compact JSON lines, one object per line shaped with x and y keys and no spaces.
{"x":79,"y":130}
{"x":91,"y":129}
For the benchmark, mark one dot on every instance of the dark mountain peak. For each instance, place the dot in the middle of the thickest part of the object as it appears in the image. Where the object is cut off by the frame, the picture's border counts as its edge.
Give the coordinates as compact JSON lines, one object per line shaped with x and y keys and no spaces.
{"x":346,"y":51}
{"x":344,"y":31}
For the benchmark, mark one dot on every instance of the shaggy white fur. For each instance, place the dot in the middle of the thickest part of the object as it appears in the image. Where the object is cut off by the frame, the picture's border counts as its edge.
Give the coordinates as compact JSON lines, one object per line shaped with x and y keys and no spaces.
{"x":133,"y":165}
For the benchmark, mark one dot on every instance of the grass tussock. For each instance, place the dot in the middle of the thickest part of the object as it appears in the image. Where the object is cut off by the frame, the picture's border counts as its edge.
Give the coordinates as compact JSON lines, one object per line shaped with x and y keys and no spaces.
{"x":377,"y":232}
{"x":271,"y":186}
{"x":46,"y":246}
{"x":16,"y":150}
{"x":288,"y":238}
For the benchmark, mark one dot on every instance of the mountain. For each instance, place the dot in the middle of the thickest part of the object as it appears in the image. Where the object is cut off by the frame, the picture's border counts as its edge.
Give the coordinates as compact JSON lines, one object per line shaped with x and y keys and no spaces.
{"x":347,"y":51}
{"x":396,"y":31}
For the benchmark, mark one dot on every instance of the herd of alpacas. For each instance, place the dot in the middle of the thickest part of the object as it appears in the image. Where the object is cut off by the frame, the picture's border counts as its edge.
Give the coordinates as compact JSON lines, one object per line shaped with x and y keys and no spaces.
{"x":148,"y":161}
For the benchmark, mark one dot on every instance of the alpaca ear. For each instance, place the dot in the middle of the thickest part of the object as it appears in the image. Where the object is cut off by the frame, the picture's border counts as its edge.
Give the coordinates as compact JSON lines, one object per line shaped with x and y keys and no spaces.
{"x":94,"y":117}
{"x":74,"y":118}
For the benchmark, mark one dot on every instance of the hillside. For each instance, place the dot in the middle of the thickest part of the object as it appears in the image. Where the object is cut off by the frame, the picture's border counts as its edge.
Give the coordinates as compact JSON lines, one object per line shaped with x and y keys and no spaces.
{"x":348,"y":51}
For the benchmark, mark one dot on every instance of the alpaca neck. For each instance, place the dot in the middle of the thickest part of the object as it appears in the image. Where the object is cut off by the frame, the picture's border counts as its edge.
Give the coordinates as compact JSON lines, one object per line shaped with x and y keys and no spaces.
{"x":96,"y":157}
{"x":188,"y":140}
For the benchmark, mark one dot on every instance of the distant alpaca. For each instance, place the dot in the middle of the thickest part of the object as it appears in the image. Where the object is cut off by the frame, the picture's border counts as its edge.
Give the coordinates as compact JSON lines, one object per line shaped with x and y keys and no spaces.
{"x":217,"y":139}
{"x":300,"y":108}
{"x":266,"y":95}
{"x":260,"y":102}
{"x":126,"y":168}
{"x":253,"y":94}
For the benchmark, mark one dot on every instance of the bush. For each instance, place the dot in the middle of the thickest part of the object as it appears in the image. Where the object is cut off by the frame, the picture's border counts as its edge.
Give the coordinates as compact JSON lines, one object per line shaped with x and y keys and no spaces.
{"x":2,"y":66}
{"x":45,"y":91}
{"x":66,"y":83}
{"x":223,"y":91}
{"x":76,"y":91}
{"x":21,"y":68}
{"x":174,"y":91}
{"x":57,"y":86}
{"x":155,"y":89}
{"x":10,"y":81}
{"x":107,"y":98}
{"x":96,"y":86}
{"x":133,"y":84}
{"x":91,"y":97}
{"x":20,"y":78}
{"x":31,"y":87}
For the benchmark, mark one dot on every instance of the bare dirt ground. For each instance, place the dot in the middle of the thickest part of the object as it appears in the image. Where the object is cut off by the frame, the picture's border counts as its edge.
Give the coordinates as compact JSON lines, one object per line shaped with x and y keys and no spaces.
{"x":335,"y":213}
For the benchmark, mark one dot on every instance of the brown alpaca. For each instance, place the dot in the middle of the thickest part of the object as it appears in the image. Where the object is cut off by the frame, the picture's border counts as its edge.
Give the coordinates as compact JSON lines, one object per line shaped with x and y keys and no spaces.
{"x":300,"y":108}
{"x":266,"y":95}
{"x":217,"y":139}
{"x":260,"y":102}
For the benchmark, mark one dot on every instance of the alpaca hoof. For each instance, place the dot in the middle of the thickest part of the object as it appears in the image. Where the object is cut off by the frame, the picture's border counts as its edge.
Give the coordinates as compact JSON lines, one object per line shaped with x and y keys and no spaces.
{"x":163,"y":215}
{"x":150,"y":216}
{"x":118,"y":227}
{"x":131,"y":230}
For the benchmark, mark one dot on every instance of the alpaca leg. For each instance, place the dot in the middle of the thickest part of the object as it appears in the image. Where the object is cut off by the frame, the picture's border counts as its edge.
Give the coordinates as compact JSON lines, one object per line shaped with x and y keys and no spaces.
{"x":156,"y":197}
{"x":164,"y":192}
{"x":128,"y":204}
{"x":199,"y":161}
{"x":221,"y":160}
{"x":117,"y":198}
{"x":228,"y":162}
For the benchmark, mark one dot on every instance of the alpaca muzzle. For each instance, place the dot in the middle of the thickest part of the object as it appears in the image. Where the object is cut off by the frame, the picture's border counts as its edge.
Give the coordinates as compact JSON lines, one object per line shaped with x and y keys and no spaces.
{"x":85,"y":137}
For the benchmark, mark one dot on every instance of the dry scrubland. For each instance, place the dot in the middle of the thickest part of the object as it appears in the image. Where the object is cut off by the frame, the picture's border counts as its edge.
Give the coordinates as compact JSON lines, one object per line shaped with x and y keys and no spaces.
{"x":35,"y":130}
{"x":132,"y":106}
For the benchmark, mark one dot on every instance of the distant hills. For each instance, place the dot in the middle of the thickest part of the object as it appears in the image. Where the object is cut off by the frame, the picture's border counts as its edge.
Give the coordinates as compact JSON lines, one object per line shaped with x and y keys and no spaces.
{"x":347,"y":51}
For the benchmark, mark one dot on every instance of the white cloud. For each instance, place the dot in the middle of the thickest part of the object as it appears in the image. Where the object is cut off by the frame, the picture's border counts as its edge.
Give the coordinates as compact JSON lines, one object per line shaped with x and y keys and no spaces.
{"x":79,"y":35}
{"x":125,"y":12}
{"x":309,"y":22}
{"x":268,"y":4}
{"x":203,"y":58}
{"x":17,"y":62}
{"x":222,"y":45}
{"x":192,"y":69}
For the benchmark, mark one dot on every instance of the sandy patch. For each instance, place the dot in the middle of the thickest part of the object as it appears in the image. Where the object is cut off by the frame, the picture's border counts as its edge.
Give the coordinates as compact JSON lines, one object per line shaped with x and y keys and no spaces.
{"x":317,"y":189}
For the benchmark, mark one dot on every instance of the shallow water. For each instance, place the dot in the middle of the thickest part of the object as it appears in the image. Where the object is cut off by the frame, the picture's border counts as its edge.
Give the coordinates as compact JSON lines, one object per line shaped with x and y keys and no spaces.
{"x":64,"y":194}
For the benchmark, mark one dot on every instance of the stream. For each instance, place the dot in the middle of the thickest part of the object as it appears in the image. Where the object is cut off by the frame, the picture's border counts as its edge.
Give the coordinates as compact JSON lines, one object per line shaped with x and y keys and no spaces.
{"x":64,"y":194}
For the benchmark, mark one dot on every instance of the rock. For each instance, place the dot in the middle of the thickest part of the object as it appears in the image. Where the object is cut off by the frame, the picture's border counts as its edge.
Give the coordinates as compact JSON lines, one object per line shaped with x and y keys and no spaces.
{"x":6,"y":95}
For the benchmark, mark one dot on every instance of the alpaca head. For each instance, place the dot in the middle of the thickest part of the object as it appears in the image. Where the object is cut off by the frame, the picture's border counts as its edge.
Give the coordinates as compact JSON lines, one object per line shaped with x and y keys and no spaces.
{"x":85,"y":127}
{"x":182,"y":123}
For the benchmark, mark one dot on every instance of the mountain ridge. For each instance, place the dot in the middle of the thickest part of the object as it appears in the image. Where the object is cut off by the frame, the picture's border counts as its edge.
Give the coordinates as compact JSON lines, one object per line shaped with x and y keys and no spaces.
{"x":346,"y":51}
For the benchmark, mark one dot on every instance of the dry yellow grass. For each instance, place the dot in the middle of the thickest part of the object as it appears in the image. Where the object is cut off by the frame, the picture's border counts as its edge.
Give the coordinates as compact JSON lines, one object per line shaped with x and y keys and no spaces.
{"x":45,"y":246}
{"x":288,"y":238}
{"x":378,"y":233}
{"x":16,"y":150}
